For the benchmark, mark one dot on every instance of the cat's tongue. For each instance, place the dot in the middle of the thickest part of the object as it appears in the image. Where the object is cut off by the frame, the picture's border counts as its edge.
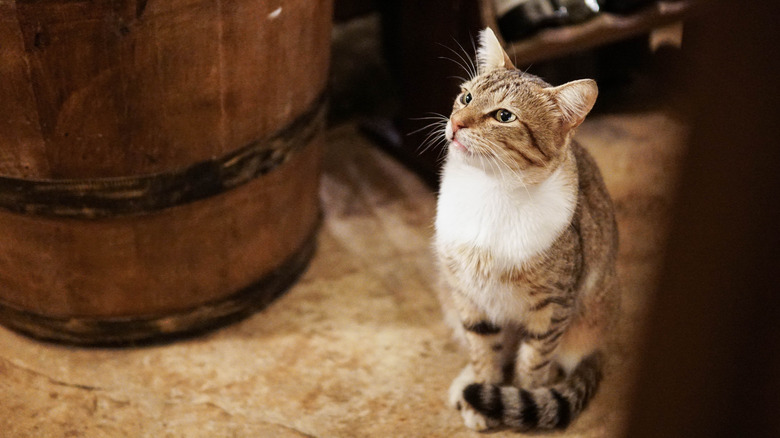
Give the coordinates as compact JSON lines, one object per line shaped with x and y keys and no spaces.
{"x":459,"y":146}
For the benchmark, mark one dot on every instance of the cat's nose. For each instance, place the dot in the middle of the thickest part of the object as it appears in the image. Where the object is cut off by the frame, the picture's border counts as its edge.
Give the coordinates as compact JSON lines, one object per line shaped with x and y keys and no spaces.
{"x":457,"y":124}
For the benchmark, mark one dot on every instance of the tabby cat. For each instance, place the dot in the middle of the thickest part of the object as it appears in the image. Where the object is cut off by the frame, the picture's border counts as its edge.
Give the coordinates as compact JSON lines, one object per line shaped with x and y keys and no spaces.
{"x":526,"y":242}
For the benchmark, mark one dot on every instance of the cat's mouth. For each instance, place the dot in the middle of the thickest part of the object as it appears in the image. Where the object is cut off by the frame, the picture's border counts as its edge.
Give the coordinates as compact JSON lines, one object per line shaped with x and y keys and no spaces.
{"x":458,"y":145}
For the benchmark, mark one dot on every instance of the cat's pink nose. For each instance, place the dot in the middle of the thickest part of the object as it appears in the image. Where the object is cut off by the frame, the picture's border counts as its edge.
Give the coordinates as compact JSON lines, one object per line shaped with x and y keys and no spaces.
{"x":456,"y":124}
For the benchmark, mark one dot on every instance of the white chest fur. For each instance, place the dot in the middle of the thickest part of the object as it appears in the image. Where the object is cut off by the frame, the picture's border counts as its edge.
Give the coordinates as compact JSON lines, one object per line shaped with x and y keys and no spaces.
{"x":511,"y":221}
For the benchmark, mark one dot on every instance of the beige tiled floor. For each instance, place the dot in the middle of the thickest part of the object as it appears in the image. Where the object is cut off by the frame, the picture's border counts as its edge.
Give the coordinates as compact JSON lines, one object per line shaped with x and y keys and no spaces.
{"x":357,"y":347}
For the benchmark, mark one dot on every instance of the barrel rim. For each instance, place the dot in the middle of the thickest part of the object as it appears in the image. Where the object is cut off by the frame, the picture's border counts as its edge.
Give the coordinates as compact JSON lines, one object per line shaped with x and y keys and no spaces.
{"x":95,"y":198}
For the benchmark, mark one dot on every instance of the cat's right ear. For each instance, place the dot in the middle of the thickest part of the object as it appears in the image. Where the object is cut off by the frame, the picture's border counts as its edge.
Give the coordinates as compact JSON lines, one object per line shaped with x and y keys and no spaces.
{"x":490,"y":54}
{"x":575,"y":100}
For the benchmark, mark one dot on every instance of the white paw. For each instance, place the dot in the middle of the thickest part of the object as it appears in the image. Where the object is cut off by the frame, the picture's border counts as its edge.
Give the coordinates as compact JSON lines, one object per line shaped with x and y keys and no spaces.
{"x":471,"y":418}
{"x":474,"y":420}
{"x":464,"y":379}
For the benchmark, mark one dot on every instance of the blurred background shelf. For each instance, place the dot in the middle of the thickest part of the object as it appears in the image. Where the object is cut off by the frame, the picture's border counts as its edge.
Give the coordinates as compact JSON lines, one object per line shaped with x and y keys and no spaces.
{"x":602,"y":29}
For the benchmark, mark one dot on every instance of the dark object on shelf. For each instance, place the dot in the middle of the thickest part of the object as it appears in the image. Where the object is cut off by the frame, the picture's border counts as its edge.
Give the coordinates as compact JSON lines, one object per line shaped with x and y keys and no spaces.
{"x":602,"y":29}
{"x":528,"y":16}
{"x":578,"y":11}
{"x":623,"y":6}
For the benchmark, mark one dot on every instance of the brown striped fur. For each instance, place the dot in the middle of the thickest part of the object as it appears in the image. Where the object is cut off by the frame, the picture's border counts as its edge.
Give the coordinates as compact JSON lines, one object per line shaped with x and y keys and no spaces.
{"x":536,"y":368}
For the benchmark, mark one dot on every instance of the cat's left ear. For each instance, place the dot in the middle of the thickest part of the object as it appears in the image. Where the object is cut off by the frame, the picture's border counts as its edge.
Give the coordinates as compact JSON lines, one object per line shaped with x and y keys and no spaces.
{"x":490,"y":54}
{"x":575,"y":100}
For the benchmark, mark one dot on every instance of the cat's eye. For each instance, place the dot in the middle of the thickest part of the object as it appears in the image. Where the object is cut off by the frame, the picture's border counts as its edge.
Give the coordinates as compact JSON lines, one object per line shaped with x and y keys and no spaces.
{"x":505,"y":116}
{"x":465,"y":98}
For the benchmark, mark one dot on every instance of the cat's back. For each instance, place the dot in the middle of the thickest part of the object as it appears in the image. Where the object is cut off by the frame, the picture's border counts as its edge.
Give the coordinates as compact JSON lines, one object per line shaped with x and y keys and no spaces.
{"x":596,"y":226}
{"x":594,"y":196}
{"x":591,"y":181}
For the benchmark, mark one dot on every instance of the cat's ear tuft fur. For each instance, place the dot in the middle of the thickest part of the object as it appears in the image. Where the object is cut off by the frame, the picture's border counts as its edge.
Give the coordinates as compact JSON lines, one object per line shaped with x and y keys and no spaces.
{"x":575,"y":100}
{"x":490,"y":54}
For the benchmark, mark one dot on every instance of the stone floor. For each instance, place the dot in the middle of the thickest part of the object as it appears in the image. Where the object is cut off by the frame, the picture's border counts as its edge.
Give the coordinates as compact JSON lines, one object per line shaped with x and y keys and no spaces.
{"x":357,"y":348}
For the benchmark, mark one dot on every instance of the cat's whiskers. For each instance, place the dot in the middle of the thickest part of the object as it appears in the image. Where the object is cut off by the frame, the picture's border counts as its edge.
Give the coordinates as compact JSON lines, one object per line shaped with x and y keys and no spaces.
{"x":431,"y":116}
{"x":491,"y":158}
{"x":433,"y":127}
{"x":459,"y":64}
{"x":497,"y":166}
{"x":482,"y":159}
{"x":481,"y":164}
{"x":434,"y":138}
{"x":442,"y":154}
{"x":519,"y":178}
{"x":465,"y":62}
{"x":470,"y":58}
{"x":435,"y":135}
{"x":473,"y":44}
{"x":434,"y":124}
{"x":525,"y":186}
{"x":524,"y":72}
{"x":516,"y":173}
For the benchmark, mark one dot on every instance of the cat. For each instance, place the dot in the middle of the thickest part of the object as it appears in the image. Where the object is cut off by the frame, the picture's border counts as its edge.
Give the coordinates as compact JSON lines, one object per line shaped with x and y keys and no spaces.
{"x":526,"y":242}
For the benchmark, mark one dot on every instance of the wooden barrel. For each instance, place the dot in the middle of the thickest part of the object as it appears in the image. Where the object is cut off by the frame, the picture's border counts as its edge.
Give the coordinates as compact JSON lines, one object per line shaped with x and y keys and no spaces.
{"x":159,"y":161}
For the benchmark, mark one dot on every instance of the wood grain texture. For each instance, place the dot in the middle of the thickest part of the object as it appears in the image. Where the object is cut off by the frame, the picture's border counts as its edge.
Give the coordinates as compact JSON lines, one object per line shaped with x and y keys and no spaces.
{"x":125,"y":88}
{"x":98,"y":91}
{"x":22,"y":151}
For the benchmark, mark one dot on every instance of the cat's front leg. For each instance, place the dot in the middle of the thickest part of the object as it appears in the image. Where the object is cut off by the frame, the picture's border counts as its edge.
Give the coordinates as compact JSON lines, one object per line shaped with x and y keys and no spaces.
{"x":486,"y":341}
{"x":544,"y":330}
{"x":488,"y":360}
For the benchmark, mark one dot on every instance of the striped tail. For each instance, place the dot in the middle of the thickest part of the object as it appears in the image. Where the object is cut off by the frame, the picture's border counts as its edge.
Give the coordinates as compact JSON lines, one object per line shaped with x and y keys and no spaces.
{"x":551,"y":407}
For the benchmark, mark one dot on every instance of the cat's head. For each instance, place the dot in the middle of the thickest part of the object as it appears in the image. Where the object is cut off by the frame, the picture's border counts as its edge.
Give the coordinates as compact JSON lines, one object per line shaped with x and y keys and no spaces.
{"x":505,"y":118}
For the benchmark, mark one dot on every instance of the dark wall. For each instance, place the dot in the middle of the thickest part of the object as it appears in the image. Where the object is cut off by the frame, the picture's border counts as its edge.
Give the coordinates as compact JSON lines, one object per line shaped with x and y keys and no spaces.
{"x":711,"y":366}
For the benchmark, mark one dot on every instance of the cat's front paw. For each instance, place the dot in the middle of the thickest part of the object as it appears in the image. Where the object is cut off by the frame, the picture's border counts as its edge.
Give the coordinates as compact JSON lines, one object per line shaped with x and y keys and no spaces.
{"x":471,"y":418}
{"x":464,"y":379}
{"x":474,"y":420}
